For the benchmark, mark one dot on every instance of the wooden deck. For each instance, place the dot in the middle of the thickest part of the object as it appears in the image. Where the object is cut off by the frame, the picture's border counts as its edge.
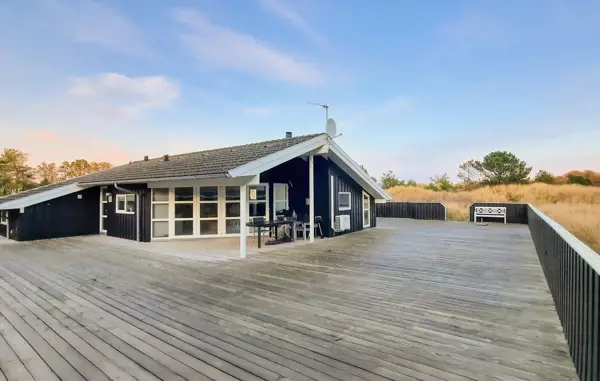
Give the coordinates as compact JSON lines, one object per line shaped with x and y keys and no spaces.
{"x":411,"y":300}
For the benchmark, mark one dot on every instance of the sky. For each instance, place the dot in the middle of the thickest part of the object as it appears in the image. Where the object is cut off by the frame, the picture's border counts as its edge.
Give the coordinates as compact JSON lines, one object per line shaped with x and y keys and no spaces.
{"x":416,"y":87}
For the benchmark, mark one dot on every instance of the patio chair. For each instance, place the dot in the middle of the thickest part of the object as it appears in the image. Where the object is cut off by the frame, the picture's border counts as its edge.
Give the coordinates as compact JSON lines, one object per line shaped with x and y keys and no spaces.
{"x":305,"y":225}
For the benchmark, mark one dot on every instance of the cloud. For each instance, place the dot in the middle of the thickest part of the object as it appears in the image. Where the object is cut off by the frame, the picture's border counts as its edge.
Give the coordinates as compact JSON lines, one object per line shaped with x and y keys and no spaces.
{"x":94,"y":22}
{"x":118,"y":96}
{"x":222,"y":48}
{"x":285,"y":11}
{"x":257,"y":111}
{"x":475,"y":30}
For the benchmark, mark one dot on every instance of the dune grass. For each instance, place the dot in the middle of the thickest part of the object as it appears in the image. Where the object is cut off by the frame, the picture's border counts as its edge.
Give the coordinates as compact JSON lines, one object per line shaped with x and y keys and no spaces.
{"x":575,"y":207}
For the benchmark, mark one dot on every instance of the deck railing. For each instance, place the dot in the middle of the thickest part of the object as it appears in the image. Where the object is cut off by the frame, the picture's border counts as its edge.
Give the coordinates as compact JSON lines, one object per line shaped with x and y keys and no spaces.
{"x":414,"y":210}
{"x":573,"y":274}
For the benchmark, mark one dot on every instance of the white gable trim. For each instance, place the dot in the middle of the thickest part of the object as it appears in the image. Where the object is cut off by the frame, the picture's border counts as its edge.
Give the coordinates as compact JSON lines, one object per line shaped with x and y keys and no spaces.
{"x":341,"y":158}
{"x":41,"y":197}
{"x":255,"y":167}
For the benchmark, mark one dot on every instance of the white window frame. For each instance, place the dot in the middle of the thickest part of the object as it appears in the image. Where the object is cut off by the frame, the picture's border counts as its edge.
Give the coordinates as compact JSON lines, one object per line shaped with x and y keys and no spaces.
{"x":175,"y":219}
{"x":124,"y":196}
{"x":217,"y":218}
{"x":225,"y":204}
{"x":104,"y":191}
{"x":3,"y":217}
{"x":349,"y":207}
{"x":275,"y":200}
{"x":366,"y":209}
{"x":167,"y":220}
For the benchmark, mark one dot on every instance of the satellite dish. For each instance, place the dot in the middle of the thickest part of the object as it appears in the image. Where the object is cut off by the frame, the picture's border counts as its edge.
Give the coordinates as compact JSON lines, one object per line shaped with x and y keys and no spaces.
{"x":331,"y":128}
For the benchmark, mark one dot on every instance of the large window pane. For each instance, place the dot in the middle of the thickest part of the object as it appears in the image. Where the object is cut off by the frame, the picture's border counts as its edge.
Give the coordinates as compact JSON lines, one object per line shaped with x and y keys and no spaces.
{"x":209,"y":194}
{"x":160,"y":194}
{"x":209,"y":227}
{"x":232,"y":226}
{"x":232,"y":209}
{"x":121,"y":203}
{"x":130,"y":198}
{"x":209,"y":210}
{"x":160,"y":211}
{"x":232,"y":193}
{"x":258,"y":193}
{"x":184,"y":210}
{"x":160,"y":229}
{"x":257,"y":209}
{"x":184,"y":227}
{"x":184,"y":194}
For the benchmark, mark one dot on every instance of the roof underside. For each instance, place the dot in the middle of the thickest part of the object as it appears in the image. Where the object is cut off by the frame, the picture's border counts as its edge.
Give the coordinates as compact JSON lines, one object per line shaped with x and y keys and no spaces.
{"x":34,"y":191}
{"x":203,"y":164}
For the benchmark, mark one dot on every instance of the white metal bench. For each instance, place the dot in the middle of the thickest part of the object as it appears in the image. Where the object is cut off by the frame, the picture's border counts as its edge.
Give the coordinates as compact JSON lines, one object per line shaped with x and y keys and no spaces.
{"x":490,"y":212}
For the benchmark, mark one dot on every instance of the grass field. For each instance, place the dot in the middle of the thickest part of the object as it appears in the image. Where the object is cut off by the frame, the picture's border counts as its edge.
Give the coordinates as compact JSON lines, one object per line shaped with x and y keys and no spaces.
{"x":575,"y":207}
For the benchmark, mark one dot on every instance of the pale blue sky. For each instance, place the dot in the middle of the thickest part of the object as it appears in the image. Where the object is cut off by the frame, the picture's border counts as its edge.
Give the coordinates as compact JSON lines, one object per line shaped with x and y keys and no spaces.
{"x":415,"y":86}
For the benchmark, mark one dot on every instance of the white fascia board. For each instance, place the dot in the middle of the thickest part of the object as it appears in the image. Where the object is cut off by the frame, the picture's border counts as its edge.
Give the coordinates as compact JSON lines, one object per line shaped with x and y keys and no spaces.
{"x":233,"y":181}
{"x":354,"y":170}
{"x":41,"y":197}
{"x":255,"y":167}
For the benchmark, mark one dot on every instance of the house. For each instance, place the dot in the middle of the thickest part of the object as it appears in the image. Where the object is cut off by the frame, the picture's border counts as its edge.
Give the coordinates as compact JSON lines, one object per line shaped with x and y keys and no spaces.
{"x":201,"y":194}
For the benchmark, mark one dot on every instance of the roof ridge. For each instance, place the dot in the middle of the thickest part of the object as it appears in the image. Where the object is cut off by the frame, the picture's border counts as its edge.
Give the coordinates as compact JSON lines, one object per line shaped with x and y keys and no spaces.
{"x":229,"y":147}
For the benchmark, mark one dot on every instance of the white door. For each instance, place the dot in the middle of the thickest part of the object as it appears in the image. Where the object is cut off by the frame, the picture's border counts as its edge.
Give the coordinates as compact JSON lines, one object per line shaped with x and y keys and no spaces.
{"x":366,"y":210}
{"x":258,"y":203}
{"x":104,"y":198}
{"x":280,"y":198}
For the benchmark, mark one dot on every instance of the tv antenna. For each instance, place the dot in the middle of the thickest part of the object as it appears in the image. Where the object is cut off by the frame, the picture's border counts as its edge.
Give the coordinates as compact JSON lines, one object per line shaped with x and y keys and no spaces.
{"x":325,"y":106}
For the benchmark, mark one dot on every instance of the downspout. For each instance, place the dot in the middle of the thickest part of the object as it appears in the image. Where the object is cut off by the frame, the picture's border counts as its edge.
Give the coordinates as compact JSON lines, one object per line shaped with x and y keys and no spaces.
{"x":137,"y":210}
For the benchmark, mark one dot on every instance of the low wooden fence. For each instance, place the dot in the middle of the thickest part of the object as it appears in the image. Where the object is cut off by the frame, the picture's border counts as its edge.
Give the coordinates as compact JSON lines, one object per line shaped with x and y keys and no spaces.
{"x":573,"y":274}
{"x":414,"y":210}
{"x":516,"y":212}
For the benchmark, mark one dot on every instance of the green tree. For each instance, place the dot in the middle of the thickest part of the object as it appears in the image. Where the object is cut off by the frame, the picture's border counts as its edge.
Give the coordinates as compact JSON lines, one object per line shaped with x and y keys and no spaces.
{"x":440,"y":183}
{"x":578,"y":179}
{"x":501,"y":167}
{"x":544,"y":177}
{"x":389,"y":180}
{"x":15,"y":174}
{"x":411,"y":183}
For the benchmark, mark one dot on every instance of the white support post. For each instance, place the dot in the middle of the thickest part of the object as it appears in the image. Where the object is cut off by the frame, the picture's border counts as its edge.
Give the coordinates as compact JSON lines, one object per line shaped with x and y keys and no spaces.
{"x":243,"y":219}
{"x":311,"y":195}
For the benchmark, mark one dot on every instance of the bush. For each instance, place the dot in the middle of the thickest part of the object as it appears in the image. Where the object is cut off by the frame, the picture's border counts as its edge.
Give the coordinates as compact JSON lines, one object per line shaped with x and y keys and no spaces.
{"x":544,"y":177}
{"x":578,"y":179}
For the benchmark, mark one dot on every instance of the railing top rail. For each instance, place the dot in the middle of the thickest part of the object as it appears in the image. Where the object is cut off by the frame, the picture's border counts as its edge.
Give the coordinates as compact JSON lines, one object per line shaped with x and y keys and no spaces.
{"x":590,"y":256}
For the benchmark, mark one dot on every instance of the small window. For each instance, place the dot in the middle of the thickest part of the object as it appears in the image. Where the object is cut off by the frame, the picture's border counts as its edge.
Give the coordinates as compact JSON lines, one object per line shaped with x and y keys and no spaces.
{"x":126,"y":203}
{"x":3,"y":217}
{"x":344,"y":201}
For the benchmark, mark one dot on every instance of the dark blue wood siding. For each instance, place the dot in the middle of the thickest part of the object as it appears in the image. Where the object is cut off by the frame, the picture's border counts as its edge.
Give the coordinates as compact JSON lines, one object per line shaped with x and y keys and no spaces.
{"x":125,"y":225}
{"x":295,"y":174}
{"x":343,"y":183}
{"x":64,"y":216}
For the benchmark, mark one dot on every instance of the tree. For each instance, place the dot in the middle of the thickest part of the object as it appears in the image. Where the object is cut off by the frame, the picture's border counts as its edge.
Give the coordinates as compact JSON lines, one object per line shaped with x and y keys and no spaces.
{"x":47,"y":173}
{"x":501,"y":167}
{"x":440,"y":183}
{"x":15,"y":174}
{"x":467,"y":171}
{"x":411,"y":183}
{"x":544,"y":177}
{"x":80,"y":167}
{"x":389,"y":180}
{"x":578,"y":179}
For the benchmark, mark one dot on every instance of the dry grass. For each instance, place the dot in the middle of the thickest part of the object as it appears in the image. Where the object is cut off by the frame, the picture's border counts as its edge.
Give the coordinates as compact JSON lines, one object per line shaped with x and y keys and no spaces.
{"x":575,"y":207}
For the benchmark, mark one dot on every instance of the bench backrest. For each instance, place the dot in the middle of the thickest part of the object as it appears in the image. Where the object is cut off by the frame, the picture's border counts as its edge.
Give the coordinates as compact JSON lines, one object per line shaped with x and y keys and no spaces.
{"x":491,"y":210}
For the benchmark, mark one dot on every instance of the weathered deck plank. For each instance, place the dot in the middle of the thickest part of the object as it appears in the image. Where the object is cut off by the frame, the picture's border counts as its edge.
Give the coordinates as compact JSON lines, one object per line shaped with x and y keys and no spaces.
{"x":411,"y":300}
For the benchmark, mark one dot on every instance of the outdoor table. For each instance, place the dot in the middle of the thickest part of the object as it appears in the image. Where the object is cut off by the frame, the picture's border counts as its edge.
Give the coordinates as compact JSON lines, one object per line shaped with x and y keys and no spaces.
{"x":273,"y":224}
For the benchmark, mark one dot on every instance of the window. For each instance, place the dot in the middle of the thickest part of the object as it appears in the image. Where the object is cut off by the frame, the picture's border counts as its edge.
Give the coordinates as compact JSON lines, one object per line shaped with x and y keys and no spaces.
{"x":184,"y":211}
{"x":257,"y":203}
{"x":209,"y":210}
{"x":160,"y":213}
{"x":3,"y":217}
{"x":232,"y":210}
{"x":126,"y":203}
{"x":280,"y":198}
{"x":344,"y":201}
